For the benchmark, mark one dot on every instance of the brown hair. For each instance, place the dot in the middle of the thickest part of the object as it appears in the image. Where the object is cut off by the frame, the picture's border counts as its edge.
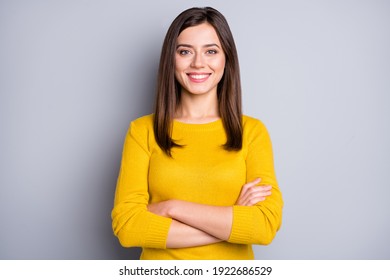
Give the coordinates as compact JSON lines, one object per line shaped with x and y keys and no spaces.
{"x":228,"y":90}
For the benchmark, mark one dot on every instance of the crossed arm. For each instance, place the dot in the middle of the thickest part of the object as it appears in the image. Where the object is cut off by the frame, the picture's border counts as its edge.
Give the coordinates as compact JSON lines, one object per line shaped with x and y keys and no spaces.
{"x":253,"y":219}
{"x":197,"y":224}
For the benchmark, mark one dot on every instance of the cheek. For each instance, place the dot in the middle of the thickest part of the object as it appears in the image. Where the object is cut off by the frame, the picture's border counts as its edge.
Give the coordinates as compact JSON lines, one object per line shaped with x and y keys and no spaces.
{"x":180,"y":64}
{"x":219,"y":68}
{"x":179,"y":74}
{"x":219,"y":65}
{"x":178,"y":77}
{"x":178,"y":70}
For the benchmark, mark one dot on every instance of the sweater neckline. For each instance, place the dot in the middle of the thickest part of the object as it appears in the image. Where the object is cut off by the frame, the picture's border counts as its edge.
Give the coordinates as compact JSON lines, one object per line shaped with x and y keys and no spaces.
{"x":217,"y":124}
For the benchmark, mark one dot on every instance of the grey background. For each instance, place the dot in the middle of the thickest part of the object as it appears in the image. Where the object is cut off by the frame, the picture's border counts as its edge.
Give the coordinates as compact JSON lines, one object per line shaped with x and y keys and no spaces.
{"x":73,"y":74}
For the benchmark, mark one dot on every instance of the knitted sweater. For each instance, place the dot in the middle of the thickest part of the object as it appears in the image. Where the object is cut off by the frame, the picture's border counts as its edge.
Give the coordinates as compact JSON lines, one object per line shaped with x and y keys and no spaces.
{"x":202,"y":172}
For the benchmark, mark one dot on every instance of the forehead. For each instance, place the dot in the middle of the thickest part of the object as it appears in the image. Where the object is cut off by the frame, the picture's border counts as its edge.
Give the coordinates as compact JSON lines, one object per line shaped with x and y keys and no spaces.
{"x":201,"y":34}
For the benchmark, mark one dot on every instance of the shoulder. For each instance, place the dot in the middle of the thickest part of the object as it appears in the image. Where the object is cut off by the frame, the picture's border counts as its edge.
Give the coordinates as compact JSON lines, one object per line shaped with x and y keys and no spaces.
{"x":253,"y":128}
{"x":251,"y":123}
{"x":141,"y":131}
{"x":142,"y":127}
{"x":144,"y":123}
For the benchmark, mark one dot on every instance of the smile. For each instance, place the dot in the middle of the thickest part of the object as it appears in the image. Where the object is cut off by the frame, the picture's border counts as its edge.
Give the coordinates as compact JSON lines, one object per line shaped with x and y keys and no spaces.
{"x":198,"y":77}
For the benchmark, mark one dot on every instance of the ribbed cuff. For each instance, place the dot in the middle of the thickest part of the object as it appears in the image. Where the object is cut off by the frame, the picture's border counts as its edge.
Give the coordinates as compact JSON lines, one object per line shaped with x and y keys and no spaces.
{"x":157,"y":233}
{"x":242,"y":228}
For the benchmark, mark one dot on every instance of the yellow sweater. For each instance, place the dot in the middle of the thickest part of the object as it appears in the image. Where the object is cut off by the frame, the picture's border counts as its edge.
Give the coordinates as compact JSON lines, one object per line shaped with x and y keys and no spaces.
{"x":201,"y":172}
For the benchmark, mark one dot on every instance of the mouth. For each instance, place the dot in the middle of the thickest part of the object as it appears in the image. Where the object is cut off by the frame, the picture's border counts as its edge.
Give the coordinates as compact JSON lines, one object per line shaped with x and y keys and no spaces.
{"x":198,"y":77}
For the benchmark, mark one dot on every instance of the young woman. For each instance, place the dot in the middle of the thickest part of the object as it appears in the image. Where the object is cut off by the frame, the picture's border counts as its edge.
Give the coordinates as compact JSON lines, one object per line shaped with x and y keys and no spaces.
{"x":197,"y":178}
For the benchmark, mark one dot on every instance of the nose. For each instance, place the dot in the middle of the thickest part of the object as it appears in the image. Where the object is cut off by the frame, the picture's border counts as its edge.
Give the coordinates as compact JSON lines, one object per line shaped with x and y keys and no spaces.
{"x":197,"y":61}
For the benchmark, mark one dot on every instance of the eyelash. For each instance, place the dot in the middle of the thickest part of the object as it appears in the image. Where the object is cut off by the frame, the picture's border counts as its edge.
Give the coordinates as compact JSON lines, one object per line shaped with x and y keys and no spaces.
{"x":212,"y":51}
{"x":185,"y":52}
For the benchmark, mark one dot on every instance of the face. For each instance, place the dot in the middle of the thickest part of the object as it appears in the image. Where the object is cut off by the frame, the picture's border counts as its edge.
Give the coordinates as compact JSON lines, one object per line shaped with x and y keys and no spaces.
{"x":200,"y":60}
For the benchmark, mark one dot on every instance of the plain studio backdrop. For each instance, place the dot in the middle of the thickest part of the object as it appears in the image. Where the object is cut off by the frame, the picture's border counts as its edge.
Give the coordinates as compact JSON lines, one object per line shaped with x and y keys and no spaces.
{"x":73,"y":74}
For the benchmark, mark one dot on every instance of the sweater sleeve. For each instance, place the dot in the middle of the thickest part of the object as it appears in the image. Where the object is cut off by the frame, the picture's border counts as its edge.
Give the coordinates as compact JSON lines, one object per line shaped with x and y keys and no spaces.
{"x":132,"y":223}
{"x":258,"y":224}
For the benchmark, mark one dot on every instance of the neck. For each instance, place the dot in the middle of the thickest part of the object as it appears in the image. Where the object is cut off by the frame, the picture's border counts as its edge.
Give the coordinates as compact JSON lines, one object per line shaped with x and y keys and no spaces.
{"x":198,"y":108}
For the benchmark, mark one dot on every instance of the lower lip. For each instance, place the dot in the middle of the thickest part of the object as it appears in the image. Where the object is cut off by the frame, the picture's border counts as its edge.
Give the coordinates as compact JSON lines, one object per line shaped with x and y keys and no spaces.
{"x":198,"y":80}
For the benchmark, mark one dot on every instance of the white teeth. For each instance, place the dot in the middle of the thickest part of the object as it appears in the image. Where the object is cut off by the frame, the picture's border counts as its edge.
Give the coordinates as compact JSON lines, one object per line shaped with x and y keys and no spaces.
{"x":199,"y":77}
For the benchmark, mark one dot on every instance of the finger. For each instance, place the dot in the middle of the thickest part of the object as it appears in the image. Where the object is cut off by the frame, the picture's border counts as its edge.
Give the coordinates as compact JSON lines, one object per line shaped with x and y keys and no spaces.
{"x":250,"y":190}
{"x":255,"y":199}
{"x":268,"y":187}
{"x":256,"y":196}
{"x":248,"y":187}
{"x":251,"y":184}
{"x":264,"y":191}
{"x":256,"y":181}
{"x":255,"y":190}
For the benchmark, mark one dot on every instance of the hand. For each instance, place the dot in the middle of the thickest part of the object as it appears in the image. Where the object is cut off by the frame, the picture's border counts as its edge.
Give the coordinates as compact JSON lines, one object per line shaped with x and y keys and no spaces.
{"x":161,"y":208}
{"x":251,"y":193}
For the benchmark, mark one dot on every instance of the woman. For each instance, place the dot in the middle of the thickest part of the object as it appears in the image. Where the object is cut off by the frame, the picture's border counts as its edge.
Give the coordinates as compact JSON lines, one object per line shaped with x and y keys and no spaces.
{"x":197,"y":179}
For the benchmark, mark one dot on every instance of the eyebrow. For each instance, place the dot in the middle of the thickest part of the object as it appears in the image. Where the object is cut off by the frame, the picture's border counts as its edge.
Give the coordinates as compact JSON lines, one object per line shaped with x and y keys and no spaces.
{"x":191,"y":46}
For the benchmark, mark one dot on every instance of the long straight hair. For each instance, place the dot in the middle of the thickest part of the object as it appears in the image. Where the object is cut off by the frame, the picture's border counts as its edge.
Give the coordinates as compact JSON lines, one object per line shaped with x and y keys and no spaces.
{"x":228,"y":89}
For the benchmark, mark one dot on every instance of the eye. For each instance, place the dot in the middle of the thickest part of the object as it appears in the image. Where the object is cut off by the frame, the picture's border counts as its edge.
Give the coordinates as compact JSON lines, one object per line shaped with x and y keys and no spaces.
{"x":183,"y":52}
{"x":211,"y":51}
